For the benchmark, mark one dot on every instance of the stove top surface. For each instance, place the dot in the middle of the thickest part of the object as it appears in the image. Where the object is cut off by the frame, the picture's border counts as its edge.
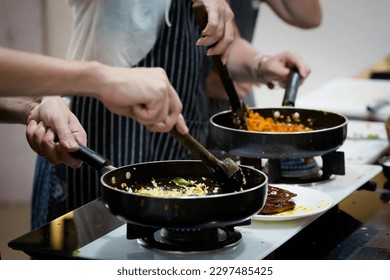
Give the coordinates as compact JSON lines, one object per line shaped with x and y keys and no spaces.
{"x":92,"y":232}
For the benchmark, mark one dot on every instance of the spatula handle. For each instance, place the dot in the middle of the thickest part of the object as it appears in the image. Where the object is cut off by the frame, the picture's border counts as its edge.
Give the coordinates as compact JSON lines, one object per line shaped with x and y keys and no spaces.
{"x":227,"y":172}
{"x":197,"y":150}
{"x":237,"y":108}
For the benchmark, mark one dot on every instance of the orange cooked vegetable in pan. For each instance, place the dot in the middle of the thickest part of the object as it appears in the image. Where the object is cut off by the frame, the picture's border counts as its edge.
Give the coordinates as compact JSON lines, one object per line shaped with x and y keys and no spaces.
{"x":256,"y":122}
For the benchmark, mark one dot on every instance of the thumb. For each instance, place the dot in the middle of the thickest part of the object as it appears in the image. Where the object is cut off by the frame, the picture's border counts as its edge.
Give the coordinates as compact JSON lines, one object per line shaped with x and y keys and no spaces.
{"x":65,"y":135}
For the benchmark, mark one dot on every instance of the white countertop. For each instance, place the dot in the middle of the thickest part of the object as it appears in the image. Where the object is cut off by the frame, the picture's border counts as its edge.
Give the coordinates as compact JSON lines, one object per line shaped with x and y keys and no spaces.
{"x":359,"y":147}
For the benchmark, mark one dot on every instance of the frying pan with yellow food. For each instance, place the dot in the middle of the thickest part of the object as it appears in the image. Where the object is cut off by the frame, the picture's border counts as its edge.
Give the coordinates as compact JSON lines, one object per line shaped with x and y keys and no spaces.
{"x":155,"y":194}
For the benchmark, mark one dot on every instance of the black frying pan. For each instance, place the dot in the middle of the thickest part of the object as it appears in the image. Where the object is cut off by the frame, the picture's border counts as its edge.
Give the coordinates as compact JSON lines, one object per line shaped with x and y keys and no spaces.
{"x":214,"y":210}
{"x":328,"y":134}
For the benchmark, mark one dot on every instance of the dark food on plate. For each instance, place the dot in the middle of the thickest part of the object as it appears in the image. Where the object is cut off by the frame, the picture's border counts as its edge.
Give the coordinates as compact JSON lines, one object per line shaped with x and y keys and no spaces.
{"x":278,"y":201}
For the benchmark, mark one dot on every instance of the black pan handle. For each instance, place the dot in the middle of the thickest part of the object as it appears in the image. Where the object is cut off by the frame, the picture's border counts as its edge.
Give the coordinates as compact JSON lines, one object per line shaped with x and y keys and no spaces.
{"x":92,"y":158}
{"x":290,"y":94}
{"x":237,"y":107}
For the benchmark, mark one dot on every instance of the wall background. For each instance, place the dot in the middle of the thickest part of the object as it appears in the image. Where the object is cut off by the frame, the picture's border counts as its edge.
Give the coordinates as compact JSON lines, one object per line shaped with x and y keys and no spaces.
{"x":41,"y":26}
{"x":354,"y":34}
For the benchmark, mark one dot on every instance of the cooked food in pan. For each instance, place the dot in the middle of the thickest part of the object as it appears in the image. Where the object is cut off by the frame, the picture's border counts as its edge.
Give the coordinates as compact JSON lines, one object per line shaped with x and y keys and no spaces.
{"x":175,"y":187}
{"x":279,"y":123}
{"x":278,"y":201}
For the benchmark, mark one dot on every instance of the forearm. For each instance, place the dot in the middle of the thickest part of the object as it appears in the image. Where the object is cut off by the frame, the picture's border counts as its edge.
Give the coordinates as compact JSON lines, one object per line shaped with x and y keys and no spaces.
{"x":27,"y":74}
{"x":258,"y":68}
{"x":300,"y":13}
{"x":240,"y":61}
{"x":16,"y":109}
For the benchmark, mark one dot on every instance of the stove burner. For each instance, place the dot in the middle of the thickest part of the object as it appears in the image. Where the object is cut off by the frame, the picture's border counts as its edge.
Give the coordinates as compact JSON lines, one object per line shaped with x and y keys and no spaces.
{"x":299,"y":164}
{"x":192,"y":241}
{"x":300,"y":170}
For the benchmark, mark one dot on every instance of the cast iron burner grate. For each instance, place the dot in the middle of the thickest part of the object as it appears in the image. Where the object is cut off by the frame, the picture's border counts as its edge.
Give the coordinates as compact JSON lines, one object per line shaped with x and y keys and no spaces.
{"x":211,"y":240}
{"x":301,"y":170}
{"x":186,"y":240}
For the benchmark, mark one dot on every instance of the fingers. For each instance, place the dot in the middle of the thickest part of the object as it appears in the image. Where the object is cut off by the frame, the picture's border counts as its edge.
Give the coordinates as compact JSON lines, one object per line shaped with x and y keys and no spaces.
{"x":65,"y":135}
{"x":181,"y":125}
{"x":161,"y":114}
{"x":144,"y":94}
{"x":219,"y":31}
{"x":156,"y":110}
{"x":278,"y":68}
{"x":221,"y":46}
{"x":294,"y":60}
{"x":303,"y":70}
{"x":59,"y":153}
{"x":34,"y":134}
{"x":69,"y":142}
{"x":79,"y":135}
{"x":43,"y":141}
{"x":178,"y":121}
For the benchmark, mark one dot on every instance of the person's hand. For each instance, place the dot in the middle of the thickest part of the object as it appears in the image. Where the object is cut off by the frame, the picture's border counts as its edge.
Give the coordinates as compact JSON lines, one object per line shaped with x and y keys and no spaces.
{"x":277,"y":68}
{"x":53,"y":131}
{"x":219,"y":31}
{"x":144,"y":94}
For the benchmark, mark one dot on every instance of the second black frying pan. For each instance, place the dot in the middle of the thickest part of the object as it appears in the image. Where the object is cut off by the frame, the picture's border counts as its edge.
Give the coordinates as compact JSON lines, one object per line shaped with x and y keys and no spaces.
{"x":328,"y":134}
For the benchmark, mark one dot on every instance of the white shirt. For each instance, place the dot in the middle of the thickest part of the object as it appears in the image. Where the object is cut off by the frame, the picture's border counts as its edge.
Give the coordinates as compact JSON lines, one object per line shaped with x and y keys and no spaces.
{"x":116,"y":32}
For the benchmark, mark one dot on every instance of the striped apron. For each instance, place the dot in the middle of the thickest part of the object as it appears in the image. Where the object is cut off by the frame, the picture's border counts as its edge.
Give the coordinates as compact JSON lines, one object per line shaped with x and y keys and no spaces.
{"x":59,"y":189}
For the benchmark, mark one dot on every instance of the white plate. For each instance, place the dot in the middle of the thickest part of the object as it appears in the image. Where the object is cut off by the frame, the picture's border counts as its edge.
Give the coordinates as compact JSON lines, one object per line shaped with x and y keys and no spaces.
{"x":308,"y":202}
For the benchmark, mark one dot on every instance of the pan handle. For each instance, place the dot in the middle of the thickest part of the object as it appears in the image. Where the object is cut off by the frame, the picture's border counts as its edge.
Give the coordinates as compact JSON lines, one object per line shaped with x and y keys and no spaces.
{"x":92,"y":158}
{"x":292,"y":88}
{"x":228,"y":174}
{"x":238,"y":109}
{"x":197,"y":150}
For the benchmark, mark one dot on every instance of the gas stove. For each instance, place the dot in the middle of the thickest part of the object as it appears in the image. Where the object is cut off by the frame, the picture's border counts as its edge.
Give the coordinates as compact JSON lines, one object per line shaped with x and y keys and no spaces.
{"x":92,"y":232}
{"x":300,"y":170}
{"x":186,"y":241}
